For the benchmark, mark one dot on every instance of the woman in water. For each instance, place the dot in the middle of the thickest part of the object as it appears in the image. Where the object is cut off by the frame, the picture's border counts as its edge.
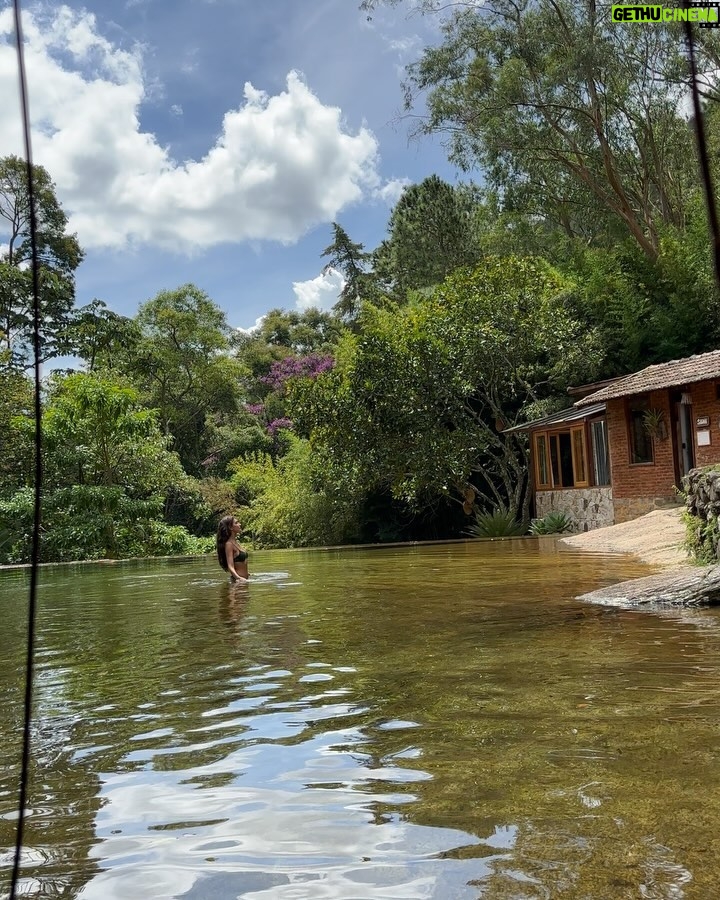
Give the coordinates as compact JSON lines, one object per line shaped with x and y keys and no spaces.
{"x":231,"y":556}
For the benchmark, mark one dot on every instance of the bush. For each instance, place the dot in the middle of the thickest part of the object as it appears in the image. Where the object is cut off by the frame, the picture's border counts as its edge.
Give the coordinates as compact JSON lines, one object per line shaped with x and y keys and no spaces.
{"x":498,"y":523}
{"x":552,"y":523}
{"x":86,"y":522}
{"x":293,"y":504}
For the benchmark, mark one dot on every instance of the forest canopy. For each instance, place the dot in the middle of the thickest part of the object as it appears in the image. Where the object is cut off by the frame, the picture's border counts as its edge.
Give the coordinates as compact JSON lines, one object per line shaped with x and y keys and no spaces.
{"x":574,"y":248}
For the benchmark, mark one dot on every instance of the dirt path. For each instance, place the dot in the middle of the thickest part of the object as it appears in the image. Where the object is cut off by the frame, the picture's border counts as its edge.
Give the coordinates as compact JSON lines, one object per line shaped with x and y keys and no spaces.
{"x":655,"y":538}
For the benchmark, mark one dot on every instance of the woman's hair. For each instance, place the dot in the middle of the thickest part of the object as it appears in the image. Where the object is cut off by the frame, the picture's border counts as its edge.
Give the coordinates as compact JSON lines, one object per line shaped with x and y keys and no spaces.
{"x":224,"y":533}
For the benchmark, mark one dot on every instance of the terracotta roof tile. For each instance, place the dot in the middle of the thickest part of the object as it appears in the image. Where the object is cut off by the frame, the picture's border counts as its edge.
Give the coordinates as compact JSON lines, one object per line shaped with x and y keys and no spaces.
{"x":675,"y":373}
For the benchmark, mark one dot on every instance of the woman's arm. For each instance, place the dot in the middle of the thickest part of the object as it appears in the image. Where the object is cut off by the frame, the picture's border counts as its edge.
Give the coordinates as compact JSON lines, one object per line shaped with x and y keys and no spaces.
{"x":230,"y":558}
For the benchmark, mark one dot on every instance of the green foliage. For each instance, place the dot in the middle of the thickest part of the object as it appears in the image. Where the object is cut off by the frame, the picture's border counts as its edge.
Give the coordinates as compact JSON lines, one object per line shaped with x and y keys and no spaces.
{"x":646,"y":312}
{"x":350,"y":259}
{"x":90,"y":522}
{"x":552,"y":523}
{"x":16,"y":431}
{"x":59,"y":255}
{"x":199,"y":504}
{"x":97,"y":433}
{"x":701,"y":515}
{"x":107,"y":472}
{"x":181,"y":365}
{"x":570,"y":117}
{"x":251,"y":476}
{"x":291,"y":503}
{"x":702,"y":537}
{"x":412,"y":404}
{"x":430,"y":234}
{"x":495,"y":524}
{"x":101,"y":337}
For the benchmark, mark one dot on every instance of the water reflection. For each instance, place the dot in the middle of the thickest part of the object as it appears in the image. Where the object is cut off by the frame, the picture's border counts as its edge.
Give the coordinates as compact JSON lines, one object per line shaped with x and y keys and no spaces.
{"x":439,"y":721}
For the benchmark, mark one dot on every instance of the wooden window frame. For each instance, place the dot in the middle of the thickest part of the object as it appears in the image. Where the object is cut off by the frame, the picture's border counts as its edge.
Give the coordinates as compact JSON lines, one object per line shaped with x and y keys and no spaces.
{"x":554,"y":433}
{"x":539,"y":484}
{"x":585,"y":482}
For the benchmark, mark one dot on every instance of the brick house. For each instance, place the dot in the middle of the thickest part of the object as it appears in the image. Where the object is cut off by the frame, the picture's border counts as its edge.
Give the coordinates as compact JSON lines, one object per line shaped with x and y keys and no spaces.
{"x":624,"y":446}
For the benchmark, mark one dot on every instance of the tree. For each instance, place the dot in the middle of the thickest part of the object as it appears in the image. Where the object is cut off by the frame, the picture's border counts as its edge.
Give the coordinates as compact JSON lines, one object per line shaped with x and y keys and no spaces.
{"x":16,"y":411}
{"x":181,"y":363}
{"x":418,"y":400}
{"x":430,"y":233}
{"x":570,"y":117}
{"x":289,"y":331}
{"x":59,"y":256}
{"x":107,"y":471}
{"x":100,"y":336}
{"x":351,"y":260}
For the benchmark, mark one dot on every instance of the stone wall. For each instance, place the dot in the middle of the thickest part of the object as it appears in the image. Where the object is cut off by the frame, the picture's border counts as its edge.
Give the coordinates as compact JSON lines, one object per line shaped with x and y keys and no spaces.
{"x":628,"y":508}
{"x":588,"y":507}
{"x":702,"y":488}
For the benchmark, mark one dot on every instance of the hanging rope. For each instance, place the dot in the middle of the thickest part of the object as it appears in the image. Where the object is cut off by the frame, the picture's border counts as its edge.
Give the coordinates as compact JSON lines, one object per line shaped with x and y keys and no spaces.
{"x":35,"y":558}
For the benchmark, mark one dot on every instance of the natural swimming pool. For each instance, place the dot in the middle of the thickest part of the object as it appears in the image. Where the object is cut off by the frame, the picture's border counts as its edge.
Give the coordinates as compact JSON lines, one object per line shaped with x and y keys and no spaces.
{"x":439,"y":721}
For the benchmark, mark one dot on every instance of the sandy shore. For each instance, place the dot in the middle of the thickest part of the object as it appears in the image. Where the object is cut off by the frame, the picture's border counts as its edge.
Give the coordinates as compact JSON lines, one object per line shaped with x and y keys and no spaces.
{"x":655,"y":538}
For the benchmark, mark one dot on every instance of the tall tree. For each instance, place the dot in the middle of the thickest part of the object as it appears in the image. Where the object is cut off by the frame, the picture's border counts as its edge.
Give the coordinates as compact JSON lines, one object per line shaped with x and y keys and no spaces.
{"x":414,"y":402}
{"x":182,"y":364}
{"x":108,"y":471}
{"x":59,"y":256}
{"x":571,"y":117}
{"x":99,"y":336}
{"x":349,"y":258}
{"x":430,"y":233}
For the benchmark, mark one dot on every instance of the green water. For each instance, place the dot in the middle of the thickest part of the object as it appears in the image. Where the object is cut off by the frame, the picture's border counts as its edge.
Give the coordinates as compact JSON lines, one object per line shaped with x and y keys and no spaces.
{"x":429,"y":722}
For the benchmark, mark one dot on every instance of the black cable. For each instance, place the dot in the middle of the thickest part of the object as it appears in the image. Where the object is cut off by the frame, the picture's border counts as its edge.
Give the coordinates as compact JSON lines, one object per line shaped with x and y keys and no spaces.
{"x":703,"y":154}
{"x":35,"y":558}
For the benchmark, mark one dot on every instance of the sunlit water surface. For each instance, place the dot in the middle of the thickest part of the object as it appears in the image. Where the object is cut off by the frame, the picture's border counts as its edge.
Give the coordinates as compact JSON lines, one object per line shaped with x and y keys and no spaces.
{"x":442,"y":722}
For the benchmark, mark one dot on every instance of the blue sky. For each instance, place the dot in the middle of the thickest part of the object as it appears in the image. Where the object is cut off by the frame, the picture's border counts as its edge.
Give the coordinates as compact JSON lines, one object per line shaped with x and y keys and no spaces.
{"x":214,"y":141}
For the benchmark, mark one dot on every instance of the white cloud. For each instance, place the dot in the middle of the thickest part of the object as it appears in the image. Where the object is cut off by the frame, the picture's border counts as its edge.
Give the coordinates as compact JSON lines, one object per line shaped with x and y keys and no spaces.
{"x":176,"y":109}
{"x":322,"y":292}
{"x":253,"y":328}
{"x":281,"y":164}
{"x":392,"y":190}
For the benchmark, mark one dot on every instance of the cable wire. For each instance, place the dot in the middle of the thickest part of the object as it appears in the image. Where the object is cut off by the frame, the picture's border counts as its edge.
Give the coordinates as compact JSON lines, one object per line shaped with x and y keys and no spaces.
{"x":35,"y":557}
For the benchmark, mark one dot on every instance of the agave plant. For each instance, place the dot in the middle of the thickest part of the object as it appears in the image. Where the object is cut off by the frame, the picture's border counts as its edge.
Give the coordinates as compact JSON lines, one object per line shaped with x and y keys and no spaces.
{"x":552,"y":523}
{"x":498,"y":523}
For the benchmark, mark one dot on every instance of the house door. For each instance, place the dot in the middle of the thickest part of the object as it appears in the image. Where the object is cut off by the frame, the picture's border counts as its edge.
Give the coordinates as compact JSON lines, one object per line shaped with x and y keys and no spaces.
{"x":684,"y":449}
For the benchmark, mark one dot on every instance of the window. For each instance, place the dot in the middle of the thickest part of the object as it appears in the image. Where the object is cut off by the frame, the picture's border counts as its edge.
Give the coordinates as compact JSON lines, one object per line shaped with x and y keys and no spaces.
{"x":579,"y":461}
{"x":641,"y":445}
{"x":542,"y":464}
{"x":561,"y":459}
{"x":601,"y":457}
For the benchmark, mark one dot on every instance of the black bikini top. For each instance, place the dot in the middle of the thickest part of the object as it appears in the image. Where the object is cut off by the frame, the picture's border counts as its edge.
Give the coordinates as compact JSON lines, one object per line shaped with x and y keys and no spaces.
{"x":241,"y":556}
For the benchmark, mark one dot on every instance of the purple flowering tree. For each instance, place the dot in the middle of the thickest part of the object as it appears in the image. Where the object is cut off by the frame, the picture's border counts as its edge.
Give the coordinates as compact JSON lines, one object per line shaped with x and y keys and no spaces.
{"x":281,"y":372}
{"x":277,"y":424}
{"x":310,"y":366}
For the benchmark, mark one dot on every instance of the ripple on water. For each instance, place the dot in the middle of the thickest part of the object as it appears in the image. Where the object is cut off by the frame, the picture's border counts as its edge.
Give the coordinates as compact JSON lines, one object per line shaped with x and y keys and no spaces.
{"x":351,"y":729}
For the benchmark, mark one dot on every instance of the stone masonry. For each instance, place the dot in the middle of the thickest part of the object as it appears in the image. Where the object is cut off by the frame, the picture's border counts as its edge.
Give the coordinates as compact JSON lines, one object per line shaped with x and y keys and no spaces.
{"x":587,"y":507}
{"x":702,"y":489}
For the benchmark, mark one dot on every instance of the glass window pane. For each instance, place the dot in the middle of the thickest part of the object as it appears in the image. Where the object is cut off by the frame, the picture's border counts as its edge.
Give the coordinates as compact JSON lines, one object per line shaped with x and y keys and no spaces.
{"x":566,"y":461}
{"x":601,"y":459}
{"x":543,"y":468}
{"x":579,"y":456}
{"x":555,"y":460}
{"x":641,"y":445}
